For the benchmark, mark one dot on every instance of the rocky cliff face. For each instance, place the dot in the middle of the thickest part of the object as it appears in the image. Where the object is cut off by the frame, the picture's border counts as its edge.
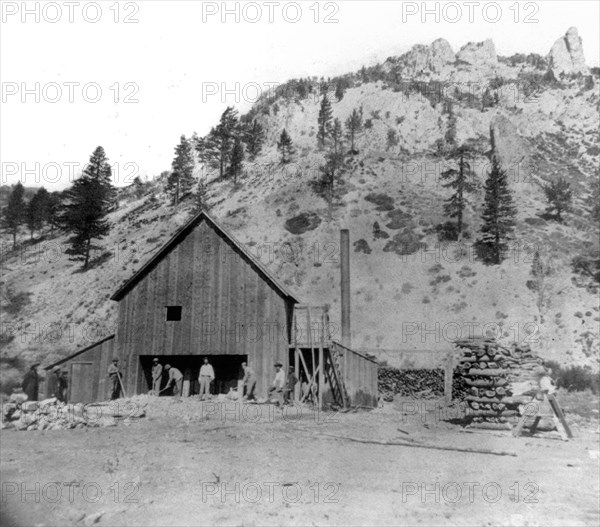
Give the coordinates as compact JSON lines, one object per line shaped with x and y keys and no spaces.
{"x":566,"y":56}
{"x":478,"y":53}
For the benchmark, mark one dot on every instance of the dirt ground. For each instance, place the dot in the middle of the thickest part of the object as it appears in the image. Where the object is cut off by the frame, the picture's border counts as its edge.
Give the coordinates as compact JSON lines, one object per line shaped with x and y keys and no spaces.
{"x":188,"y":463}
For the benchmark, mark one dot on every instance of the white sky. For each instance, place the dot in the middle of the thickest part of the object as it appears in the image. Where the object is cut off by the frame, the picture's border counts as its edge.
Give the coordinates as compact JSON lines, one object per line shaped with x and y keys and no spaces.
{"x":171,"y":52}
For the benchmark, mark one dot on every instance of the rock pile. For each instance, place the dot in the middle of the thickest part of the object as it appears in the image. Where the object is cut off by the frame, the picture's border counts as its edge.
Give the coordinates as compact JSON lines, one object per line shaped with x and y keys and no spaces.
{"x":52,"y":414}
{"x":496,"y":377}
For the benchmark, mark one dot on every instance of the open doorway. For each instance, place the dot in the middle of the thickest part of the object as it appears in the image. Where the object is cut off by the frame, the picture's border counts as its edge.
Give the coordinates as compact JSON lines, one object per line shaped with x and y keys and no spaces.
{"x":228,"y":370}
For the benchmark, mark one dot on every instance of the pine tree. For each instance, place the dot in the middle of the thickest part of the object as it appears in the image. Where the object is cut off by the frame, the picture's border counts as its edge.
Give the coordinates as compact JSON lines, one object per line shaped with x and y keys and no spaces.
{"x":217,"y":146}
{"x":559,"y":196}
{"x":285,"y":146}
{"x":354,"y":125}
{"x":324,"y":121}
{"x":237,"y":158}
{"x":460,"y":181}
{"x":86,"y":205}
{"x":336,"y":135}
{"x":340,"y":88}
{"x":326,"y":184}
{"x":201,"y":197}
{"x":498,"y":214}
{"x":14,"y":212}
{"x":254,"y":137}
{"x":34,"y":214}
{"x":181,"y":179}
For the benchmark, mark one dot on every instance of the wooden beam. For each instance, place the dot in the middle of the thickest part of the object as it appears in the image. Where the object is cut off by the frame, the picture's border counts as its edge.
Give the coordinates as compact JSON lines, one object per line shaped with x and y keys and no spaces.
{"x":321,"y":379}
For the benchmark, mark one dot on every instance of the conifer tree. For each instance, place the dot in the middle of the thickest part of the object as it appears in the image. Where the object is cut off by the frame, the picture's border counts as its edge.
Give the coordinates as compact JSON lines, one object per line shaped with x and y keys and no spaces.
{"x":86,"y":205}
{"x":354,"y":125}
{"x":498,"y":214}
{"x":254,"y":137}
{"x":285,"y":146}
{"x":181,"y":178}
{"x":217,"y":147}
{"x":13,"y":214}
{"x":340,"y":88}
{"x":236,"y":160}
{"x":324,"y":121}
{"x":461,"y":183}
{"x":559,"y":196}
{"x":34,"y":214}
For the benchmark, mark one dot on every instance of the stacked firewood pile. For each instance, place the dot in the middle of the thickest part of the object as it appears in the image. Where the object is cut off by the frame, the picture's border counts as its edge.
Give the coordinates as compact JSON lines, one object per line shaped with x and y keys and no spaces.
{"x":51,"y":414}
{"x":415,"y":383}
{"x":496,"y":376}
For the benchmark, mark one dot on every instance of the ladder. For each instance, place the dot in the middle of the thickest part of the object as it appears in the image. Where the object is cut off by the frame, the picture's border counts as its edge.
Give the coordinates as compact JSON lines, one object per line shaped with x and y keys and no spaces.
{"x":335,"y":377}
{"x":329,"y":357}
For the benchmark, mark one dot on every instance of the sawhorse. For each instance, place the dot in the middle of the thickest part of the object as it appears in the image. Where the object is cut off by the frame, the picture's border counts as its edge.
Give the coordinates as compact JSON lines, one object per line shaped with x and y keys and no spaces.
{"x":557,"y":415}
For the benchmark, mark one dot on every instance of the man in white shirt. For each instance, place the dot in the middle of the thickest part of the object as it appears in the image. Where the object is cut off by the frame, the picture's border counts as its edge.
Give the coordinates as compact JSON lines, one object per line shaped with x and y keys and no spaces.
{"x":156,"y":376}
{"x":175,"y":379}
{"x":249,"y":381}
{"x":207,"y":375}
{"x":278,"y":383}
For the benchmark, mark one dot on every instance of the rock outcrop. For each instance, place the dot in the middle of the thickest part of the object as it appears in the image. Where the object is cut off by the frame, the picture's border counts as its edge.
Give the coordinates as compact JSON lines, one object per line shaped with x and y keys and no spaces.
{"x":478,"y":53}
{"x":566,"y":56}
{"x":424,"y":60}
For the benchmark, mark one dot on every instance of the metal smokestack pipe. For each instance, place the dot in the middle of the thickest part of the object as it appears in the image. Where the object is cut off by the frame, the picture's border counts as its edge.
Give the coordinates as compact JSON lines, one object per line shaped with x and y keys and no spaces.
{"x":345,"y":285}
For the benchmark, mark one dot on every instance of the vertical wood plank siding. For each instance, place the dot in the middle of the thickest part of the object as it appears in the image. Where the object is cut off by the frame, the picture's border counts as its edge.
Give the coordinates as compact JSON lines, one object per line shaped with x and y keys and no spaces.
{"x":100,"y":355}
{"x":228,"y":308}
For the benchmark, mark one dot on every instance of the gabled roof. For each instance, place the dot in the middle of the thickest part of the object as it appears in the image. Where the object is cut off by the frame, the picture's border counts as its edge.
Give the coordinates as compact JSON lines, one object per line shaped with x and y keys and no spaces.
{"x":180,"y":235}
{"x":79,"y":352}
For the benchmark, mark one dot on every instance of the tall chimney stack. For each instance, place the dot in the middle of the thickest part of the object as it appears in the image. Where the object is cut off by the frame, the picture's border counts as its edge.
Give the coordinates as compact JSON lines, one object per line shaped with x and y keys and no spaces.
{"x":345,"y":285}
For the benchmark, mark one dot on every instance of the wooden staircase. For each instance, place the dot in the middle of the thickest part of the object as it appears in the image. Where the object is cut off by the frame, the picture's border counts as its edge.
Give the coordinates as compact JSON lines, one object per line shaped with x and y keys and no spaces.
{"x":335,"y":376}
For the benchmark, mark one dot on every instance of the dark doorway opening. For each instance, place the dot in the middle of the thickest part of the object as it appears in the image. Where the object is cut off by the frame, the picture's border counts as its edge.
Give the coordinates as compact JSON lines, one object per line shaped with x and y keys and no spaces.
{"x":228,"y":370}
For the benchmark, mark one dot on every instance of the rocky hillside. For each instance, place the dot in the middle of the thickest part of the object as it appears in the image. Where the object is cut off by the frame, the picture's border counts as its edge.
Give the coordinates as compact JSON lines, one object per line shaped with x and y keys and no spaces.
{"x":411,"y":290}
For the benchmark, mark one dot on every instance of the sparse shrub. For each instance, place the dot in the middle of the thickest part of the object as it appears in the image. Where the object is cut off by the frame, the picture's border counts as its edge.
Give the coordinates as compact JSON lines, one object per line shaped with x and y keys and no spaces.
{"x":361,"y":246}
{"x":574,"y":378}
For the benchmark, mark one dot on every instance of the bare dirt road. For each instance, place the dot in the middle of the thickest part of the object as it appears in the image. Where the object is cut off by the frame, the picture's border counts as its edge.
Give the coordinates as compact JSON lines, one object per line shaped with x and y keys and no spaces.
{"x":260,"y":467}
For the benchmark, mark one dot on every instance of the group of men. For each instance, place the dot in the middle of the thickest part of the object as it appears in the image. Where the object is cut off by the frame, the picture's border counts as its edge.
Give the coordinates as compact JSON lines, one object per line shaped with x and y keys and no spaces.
{"x":282,"y":387}
{"x":175,"y":378}
{"x":58,"y":383}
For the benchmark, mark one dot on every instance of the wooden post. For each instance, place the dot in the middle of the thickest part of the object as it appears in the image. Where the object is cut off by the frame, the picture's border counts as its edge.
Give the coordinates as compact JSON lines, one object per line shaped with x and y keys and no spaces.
{"x":297,"y":370}
{"x":448,"y":377}
{"x":321,"y":378}
{"x":345,"y":285}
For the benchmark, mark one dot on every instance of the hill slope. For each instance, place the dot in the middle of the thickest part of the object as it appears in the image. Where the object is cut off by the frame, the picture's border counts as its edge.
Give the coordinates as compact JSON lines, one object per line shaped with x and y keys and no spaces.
{"x":392,"y":202}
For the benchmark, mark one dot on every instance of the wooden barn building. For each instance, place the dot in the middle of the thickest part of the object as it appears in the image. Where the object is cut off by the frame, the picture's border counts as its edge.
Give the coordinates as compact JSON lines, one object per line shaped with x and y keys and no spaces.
{"x":203,"y":294}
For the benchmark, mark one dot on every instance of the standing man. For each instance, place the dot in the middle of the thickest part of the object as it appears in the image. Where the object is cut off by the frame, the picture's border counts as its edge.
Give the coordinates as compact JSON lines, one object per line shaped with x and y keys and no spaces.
{"x":54,"y":383}
{"x":115,"y":383}
{"x":64,"y":385}
{"x":249,"y":381}
{"x":291,"y":385}
{"x":207,"y":375}
{"x":175,"y":380}
{"x":31,"y":383}
{"x":278,"y":383}
{"x":156,"y":376}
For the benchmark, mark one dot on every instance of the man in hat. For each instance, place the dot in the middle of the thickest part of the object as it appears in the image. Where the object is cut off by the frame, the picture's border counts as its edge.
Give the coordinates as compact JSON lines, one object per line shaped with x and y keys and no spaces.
{"x":114,"y":375}
{"x":64,"y":385}
{"x":31,"y":383}
{"x":55,"y":384}
{"x":157,"y":370}
{"x":278,"y":383}
{"x":291,"y":385}
{"x":249,"y":381}
{"x":207,"y":375}
{"x":175,"y":379}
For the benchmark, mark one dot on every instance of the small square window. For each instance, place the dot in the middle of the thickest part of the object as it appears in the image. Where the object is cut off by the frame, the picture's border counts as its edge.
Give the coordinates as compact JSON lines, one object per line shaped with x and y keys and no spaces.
{"x":173,"y":313}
